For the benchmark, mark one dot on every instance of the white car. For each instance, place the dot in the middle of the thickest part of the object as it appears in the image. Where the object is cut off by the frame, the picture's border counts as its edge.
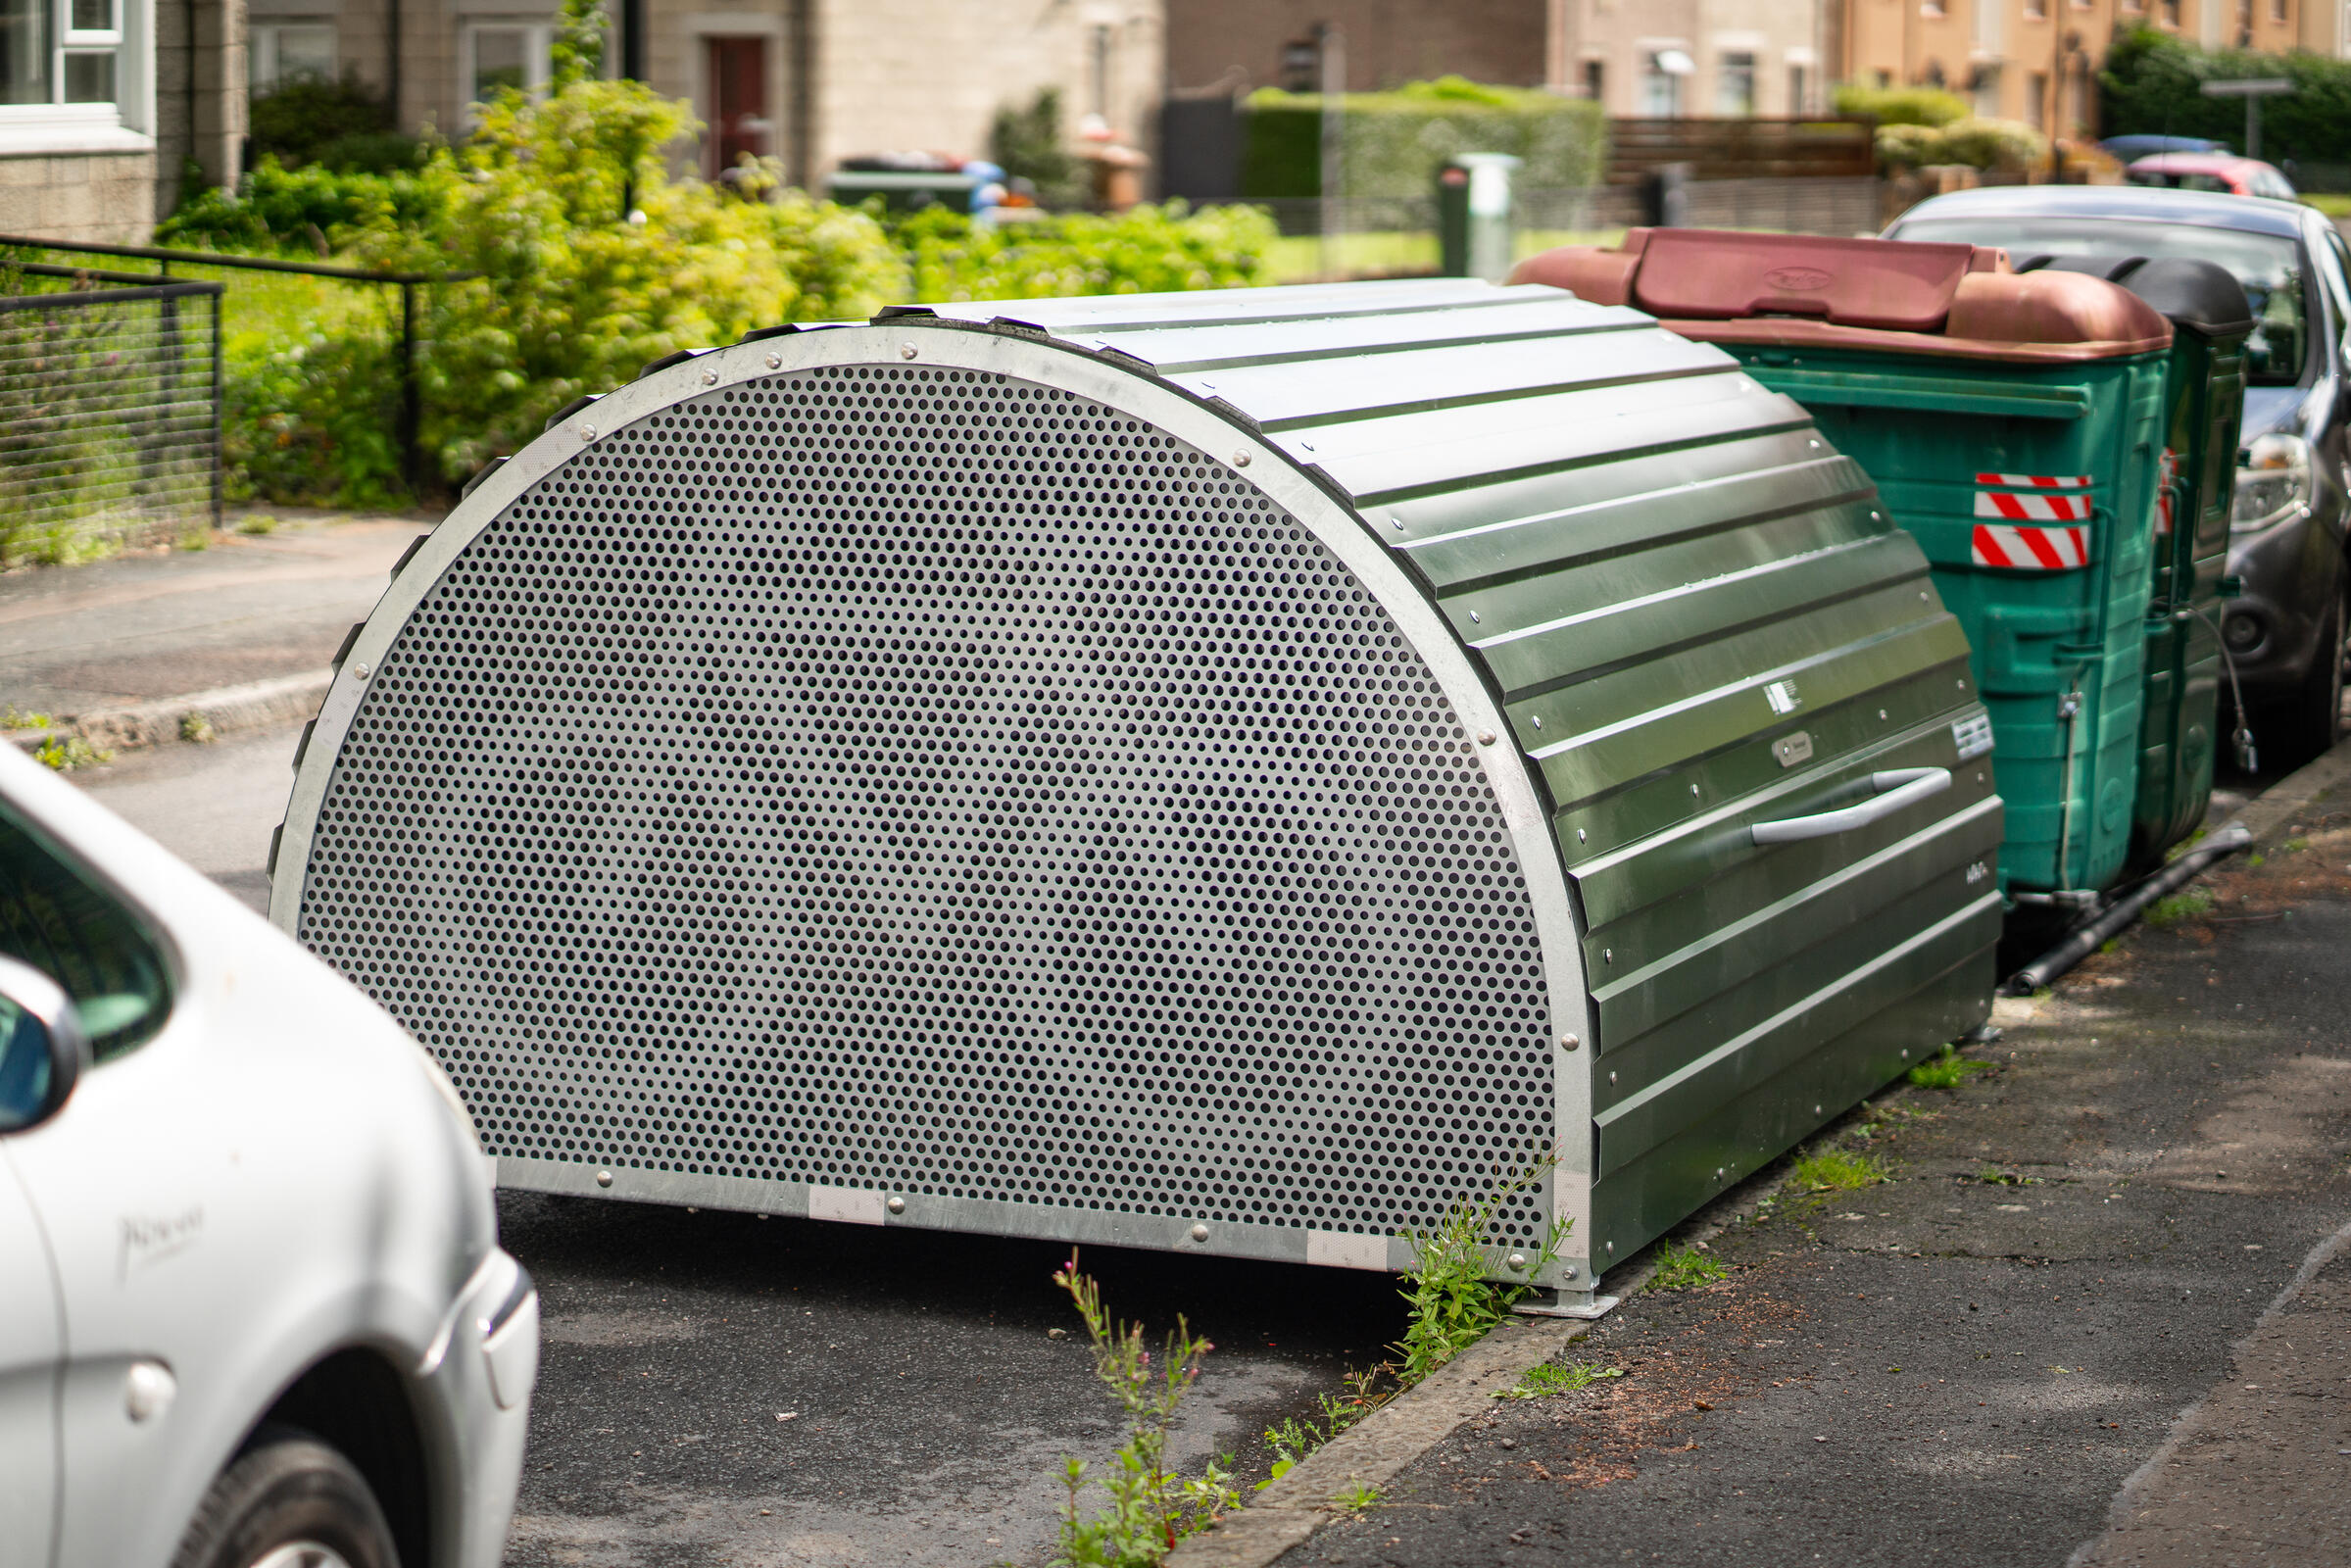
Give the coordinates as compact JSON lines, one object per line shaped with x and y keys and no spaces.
{"x":253,"y":1309}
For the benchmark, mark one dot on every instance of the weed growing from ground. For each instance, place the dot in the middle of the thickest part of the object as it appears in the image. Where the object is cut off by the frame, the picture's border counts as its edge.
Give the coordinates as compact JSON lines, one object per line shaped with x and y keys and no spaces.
{"x":14,"y":717}
{"x":1835,"y":1170}
{"x":1683,"y":1268}
{"x":2293,"y":845}
{"x":196,"y":729}
{"x":256,"y":522}
{"x":1149,"y":1508}
{"x":1452,"y":1303}
{"x":1994,"y":1176}
{"x":65,"y":753}
{"x":1293,"y":1439}
{"x":1358,"y":1495}
{"x":1540,"y":1382}
{"x":1946,"y":1071}
{"x":2182,"y":906}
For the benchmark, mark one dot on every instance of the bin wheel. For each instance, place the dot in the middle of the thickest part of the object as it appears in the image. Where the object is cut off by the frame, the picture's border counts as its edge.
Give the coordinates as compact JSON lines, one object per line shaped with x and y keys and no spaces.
{"x":2308,"y":724}
{"x":290,"y":1501}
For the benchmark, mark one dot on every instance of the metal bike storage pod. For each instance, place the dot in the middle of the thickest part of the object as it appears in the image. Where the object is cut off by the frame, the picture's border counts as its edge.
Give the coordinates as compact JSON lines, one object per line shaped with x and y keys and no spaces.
{"x":1234,"y":772}
{"x":2016,"y":423}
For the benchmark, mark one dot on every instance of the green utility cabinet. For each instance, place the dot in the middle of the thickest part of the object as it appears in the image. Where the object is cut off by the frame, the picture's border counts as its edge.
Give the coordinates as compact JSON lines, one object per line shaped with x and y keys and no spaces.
{"x":2016,"y":424}
{"x":2204,"y":398}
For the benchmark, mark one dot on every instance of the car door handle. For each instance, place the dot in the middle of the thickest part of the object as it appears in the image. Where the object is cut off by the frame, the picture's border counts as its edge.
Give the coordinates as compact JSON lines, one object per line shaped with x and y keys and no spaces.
{"x":1901,"y":787}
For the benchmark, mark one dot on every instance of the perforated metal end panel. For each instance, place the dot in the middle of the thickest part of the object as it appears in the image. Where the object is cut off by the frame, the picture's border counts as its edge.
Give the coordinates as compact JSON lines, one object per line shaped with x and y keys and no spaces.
{"x":925,"y":781}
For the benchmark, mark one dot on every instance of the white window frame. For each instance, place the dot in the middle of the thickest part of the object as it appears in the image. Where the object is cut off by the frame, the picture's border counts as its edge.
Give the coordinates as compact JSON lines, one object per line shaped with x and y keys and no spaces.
{"x":538,"y":56}
{"x":123,"y":125}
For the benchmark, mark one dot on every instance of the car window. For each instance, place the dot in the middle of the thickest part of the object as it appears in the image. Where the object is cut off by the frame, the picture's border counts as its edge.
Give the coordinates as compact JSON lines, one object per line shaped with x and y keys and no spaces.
{"x":2268,"y":265}
{"x":58,"y":918}
{"x":2334,"y":272}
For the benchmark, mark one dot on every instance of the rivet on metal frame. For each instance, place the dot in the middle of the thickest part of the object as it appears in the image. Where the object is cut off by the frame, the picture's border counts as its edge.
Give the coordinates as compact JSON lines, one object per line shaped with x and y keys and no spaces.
{"x":776,"y":362}
{"x":1517,"y":1261}
{"x":1567,"y":1271}
{"x":604,"y":1178}
{"x":1570,"y":1042}
{"x":587,"y":432}
{"x":359,"y":672}
{"x":896,"y":1205}
{"x":1485,"y":737}
{"x":906,"y":351}
{"x":1200,"y":1233}
{"x":1239,"y":460}
{"x":709,"y":378}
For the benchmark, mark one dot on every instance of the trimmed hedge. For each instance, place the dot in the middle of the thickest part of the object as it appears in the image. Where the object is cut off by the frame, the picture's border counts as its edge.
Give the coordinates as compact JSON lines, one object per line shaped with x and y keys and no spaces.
{"x":2152,"y":85}
{"x":1393,"y":142}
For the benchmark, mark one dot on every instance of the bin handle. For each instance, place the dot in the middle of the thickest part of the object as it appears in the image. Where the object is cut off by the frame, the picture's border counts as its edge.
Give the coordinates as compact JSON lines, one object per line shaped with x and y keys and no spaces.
{"x":1903,"y":786}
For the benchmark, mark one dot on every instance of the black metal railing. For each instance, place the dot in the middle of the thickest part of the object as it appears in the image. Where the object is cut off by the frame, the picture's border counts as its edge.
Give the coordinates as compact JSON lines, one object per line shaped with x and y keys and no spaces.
{"x":110,"y":411}
{"x":411,"y":399}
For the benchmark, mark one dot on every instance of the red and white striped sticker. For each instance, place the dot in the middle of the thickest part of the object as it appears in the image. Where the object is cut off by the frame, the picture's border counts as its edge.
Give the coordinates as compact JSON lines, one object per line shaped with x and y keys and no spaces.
{"x":2167,"y":475}
{"x":2031,"y":549}
{"x":2035,"y":507}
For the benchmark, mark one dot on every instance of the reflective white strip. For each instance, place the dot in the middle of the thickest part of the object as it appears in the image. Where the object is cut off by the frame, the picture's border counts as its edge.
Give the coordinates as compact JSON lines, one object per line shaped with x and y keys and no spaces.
{"x":2032,"y":508}
{"x":2031,"y":549}
{"x":2038,"y":481}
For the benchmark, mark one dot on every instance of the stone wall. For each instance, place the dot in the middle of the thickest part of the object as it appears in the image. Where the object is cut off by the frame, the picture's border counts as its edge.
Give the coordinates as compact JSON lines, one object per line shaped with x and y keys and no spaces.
{"x":106,"y":197}
{"x":1499,"y":41}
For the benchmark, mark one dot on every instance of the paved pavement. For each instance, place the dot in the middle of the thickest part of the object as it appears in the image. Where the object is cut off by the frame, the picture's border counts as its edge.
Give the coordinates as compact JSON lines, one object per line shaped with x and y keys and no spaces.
{"x":1967,"y":1364}
{"x":160,"y":624}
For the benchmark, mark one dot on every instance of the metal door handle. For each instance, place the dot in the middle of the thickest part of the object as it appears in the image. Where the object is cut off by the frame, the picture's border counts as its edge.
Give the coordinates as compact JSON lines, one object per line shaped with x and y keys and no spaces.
{"x":1903,"y":786}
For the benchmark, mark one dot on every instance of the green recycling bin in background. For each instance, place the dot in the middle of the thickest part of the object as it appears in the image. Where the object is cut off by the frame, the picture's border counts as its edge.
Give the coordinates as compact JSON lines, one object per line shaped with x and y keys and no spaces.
{"x":1476,"y":223}
{"x":2204,"y":398}
{"x":2016,"y":426}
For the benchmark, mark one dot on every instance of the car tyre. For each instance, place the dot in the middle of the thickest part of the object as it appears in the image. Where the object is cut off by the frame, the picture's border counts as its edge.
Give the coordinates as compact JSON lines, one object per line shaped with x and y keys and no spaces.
{"x":2309,"y":723}
{"x":288,"y":1502}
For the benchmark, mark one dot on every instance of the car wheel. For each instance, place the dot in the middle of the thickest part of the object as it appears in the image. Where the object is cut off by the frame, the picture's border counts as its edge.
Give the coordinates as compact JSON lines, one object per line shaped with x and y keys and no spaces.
{"x":2309,"y":722}
{"x":290,"y":1501}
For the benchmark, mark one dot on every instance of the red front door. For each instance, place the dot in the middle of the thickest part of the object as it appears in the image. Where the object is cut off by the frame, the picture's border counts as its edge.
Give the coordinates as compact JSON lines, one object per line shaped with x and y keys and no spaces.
{"x":739,"y":122}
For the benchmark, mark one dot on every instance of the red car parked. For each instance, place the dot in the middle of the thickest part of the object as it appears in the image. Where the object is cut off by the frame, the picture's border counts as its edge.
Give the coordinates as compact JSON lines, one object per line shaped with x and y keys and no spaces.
{"x":2225,"y":172}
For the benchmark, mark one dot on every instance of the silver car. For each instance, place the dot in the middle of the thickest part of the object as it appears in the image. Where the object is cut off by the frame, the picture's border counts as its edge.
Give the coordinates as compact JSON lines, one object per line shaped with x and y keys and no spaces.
{"x":253,"y":1309}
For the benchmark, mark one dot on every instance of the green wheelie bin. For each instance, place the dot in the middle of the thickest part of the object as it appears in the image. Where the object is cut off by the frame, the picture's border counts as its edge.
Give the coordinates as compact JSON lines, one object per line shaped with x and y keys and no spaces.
{"x":2016,"y":424}
{"x":2204,"y":397}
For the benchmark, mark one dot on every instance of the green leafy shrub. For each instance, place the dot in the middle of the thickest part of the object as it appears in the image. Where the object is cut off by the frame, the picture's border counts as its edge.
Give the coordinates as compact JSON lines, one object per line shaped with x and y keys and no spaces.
{"x":2152,"y":83}
{"x":1143,"y":251}
{"x":2006,"y":144}
{"x":1027,"y":144}
{"x":1393,"y":142}
{"x":276,"y":208}
{"x":337,"y":125}
{"x":1901,"y":106}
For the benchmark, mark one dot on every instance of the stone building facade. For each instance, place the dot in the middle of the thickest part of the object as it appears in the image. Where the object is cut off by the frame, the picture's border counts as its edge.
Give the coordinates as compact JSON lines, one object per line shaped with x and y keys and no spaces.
{"x":807,"y":81}
{"x":105,"y":106}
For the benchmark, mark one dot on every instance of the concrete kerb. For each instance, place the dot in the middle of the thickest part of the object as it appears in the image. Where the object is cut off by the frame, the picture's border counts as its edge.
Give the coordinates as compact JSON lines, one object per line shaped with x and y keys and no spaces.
{"x":1385,"y":1442}
{"x":226,"y":709}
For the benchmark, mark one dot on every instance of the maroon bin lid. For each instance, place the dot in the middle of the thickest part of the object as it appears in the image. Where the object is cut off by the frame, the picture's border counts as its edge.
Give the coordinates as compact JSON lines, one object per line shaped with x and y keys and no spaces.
{"x":1724,"y":286}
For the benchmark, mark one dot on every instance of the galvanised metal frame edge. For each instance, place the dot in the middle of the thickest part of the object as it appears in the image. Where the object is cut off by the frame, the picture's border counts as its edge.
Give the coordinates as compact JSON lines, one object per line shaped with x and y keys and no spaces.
{"x":1303,"y":493}
{"x":1091,"y":1227}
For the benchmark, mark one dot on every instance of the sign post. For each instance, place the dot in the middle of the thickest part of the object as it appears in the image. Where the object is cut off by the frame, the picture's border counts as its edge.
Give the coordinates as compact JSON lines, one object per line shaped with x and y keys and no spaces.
{"x":2252,"y":89}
